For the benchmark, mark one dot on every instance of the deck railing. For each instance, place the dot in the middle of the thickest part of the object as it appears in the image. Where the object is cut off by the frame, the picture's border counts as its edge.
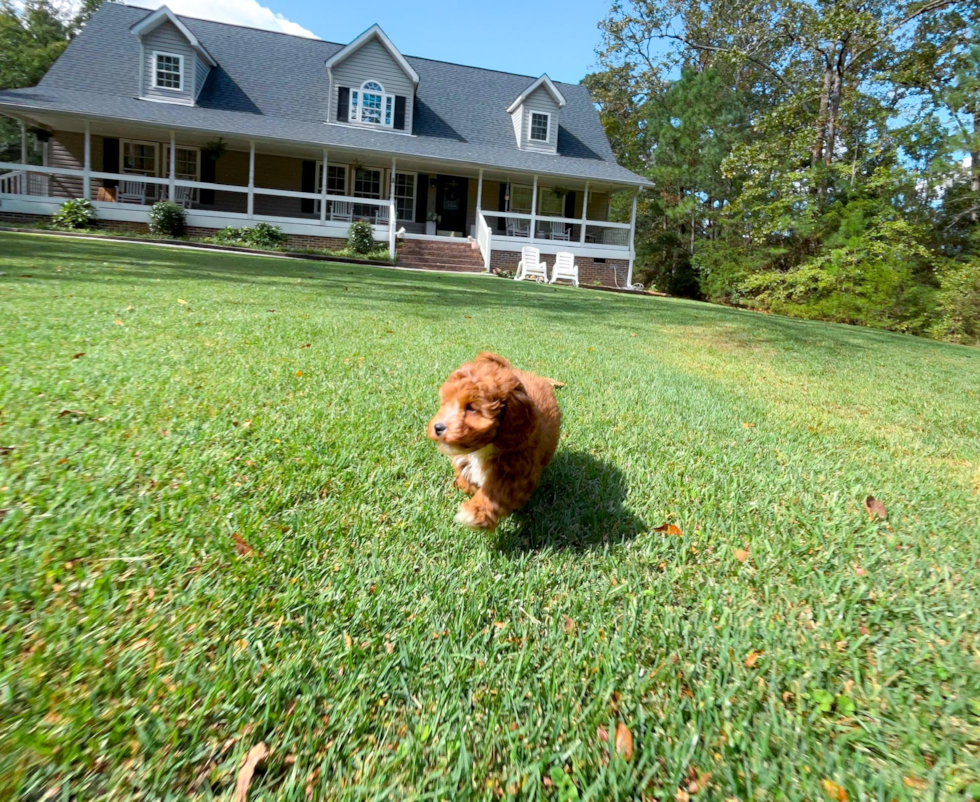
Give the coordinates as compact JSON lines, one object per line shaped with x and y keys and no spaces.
{"x":484,"y":238}
{"x":514,"y":226}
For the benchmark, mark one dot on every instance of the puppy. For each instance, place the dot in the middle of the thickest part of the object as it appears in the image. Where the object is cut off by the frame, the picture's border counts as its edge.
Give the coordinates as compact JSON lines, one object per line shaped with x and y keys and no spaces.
{"x":500,"y":427}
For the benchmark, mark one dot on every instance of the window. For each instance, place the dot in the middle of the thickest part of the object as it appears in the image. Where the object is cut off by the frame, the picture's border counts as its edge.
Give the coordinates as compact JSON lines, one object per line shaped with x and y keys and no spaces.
{"x":539,"y":126}
{"x":520,"y":198}
{"x":138,"y":158}
{"x":370,"y":105}
{"x":168,"y":71}
{"x":405,"y":196}
{"x":336,"y":178}
{"x":367,"y":184}
{"x":550,"y":203}
{"x":188,"y":167}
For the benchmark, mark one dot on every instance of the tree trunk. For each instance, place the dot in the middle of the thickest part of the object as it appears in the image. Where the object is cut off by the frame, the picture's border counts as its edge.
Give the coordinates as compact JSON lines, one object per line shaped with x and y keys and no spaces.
{"x":834,"y":111}
{"x":975,"y":166}
{"x":818,"y":144}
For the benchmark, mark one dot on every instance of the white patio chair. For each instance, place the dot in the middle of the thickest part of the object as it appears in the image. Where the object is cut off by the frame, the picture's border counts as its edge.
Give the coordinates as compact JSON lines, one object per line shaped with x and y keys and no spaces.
{"x":559,"y":231}
{"x":131,"y":192}
{"x":382,"y":215}
{"x":184,"y":196}
{"x":531,"y":266}
{"x":341,"y":210}
{"x":518,"y":228}
{"x":565,"y":268}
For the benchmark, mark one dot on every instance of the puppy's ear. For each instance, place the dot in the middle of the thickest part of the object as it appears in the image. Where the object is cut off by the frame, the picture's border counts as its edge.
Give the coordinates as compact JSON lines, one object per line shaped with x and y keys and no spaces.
{"x":486,"y":356}
{"x":516,"y":416}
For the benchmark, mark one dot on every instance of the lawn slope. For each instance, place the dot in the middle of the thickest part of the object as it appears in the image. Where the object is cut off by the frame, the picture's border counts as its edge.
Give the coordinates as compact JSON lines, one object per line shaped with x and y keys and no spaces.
{"x":224,"y":525}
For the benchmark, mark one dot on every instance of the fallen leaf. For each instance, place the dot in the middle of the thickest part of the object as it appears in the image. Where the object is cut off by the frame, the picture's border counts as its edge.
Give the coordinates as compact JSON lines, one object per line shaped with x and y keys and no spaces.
{"x":554,"y":382}
{"x":289,"y":760}
{"x":389,"y":647}
{"x":741,"y":555}
{"x":77,"y":413}
{"x":859,"y":570}
{"x":181,"y":301}
{"x":682,"y":796}
{"x":916,"y":782}
{"x":624,"y":741}
{"x":748,"y":425}
{"x":79,"y":355}
{"x":752,"y":659}
{"x":348,"y":641}
{"x":668,"y":529}
{"x":299,"y":373}
{"x":875,"y":508}
{"x":602,"y":734}
{"x":306,"y":345}
{"x":119,"y":322}
{"x":834,"y":791}
{"x":255,"y":755}
{"x":547,"y":782}
{"x":632,"y":334}
{"x":240,"y":545}
{"x":569,"y":625}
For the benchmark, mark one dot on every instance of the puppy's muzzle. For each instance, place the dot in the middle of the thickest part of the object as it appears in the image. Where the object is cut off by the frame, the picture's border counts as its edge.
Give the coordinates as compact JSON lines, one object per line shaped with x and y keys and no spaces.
{"x":439,"y":429}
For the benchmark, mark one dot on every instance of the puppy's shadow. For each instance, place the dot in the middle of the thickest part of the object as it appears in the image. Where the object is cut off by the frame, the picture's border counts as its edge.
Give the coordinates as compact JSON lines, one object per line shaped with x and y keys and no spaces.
{"x":579,"y":505}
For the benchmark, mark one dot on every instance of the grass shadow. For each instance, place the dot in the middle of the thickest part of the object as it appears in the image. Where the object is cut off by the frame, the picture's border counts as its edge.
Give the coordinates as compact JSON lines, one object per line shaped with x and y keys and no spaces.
{"x":580,"y":505}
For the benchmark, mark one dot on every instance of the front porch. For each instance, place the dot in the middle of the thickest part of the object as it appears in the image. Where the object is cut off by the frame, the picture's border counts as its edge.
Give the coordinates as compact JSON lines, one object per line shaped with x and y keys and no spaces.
{"x":313,"y":195}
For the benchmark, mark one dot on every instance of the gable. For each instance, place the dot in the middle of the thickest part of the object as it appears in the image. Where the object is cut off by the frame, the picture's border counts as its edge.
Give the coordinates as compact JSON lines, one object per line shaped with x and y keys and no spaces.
{"x":166,"y":39}
{"x":373,"y":62}
{"x":540,"y":101}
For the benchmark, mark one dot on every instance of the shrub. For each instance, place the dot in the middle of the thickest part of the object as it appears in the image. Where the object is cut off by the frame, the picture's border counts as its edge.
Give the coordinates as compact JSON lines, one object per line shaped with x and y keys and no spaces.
{"x":168,"y":219}
{"x":959,"y":302}
{"x":264,"y":236}
{"x":74,"y":214}
{"x":360,"y":238}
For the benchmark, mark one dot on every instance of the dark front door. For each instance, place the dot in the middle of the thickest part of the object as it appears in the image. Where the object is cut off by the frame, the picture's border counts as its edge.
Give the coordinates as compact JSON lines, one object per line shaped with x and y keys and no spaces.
{"x":451,"y":193}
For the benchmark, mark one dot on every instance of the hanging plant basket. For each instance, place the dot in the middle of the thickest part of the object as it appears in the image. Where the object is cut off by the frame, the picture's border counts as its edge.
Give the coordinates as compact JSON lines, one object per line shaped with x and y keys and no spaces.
{"x":215,"y":150}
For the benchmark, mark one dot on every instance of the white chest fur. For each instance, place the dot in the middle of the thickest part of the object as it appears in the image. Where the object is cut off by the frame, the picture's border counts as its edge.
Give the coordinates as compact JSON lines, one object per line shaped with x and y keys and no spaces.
{"x":473,"y":466}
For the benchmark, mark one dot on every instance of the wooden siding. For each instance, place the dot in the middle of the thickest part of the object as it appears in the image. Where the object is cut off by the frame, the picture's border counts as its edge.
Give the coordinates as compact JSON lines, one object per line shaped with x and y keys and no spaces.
{"x":201,"y":71}
{"x":372,"y":61}
{"x":166,"y":38}
{"x":540,"y":100}
{"x":67,"y":150}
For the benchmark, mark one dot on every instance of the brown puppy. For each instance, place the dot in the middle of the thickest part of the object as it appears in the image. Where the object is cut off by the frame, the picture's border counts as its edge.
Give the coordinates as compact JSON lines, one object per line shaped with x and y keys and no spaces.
{"x":500,"y":426}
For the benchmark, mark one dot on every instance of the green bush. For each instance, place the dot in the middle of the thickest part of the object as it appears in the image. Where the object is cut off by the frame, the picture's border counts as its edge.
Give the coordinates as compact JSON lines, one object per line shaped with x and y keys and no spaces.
{"x":168,"y":219}
{"x":74,"y":214}
{"x":263,"y":236}
{"x":360,"y":238}
{"x":958,"y":300}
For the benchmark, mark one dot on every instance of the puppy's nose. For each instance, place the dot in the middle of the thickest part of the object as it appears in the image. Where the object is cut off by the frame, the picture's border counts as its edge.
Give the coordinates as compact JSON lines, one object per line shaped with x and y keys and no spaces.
{"x":439,"y":428}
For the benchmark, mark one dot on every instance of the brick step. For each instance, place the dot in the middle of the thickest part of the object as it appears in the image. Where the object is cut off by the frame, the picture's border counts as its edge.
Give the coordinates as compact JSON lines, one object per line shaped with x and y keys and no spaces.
{"x":467,"y":253}
{"x":439,"y":266}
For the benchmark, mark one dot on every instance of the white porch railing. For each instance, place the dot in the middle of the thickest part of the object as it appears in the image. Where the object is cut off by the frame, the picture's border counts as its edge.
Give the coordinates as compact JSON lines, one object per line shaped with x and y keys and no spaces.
{"x":484,"y":238}
{"x":585,"y":233}
{"x":21,"y":182}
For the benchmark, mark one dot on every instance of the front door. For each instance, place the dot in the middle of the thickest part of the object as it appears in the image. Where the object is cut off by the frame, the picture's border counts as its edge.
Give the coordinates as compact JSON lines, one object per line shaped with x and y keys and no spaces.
{"x":451,"y":193}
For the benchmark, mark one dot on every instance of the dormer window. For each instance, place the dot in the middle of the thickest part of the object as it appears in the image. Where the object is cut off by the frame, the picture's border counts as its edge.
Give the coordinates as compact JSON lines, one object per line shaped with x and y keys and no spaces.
{"x":371,"y":105}
{"x":539,"y":126}
{"x":168,"y":71}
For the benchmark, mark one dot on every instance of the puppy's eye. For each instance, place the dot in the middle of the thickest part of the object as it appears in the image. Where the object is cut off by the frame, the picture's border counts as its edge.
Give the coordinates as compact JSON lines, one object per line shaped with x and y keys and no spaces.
{"x":470,"y":408}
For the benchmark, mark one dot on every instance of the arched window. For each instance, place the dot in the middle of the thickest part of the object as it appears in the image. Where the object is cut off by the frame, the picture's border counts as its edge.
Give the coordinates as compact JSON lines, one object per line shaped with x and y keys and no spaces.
{"x":371,"y":105}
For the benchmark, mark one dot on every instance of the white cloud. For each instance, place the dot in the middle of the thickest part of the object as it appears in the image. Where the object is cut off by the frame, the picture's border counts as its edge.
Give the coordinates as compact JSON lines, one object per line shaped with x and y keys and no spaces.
{"x":237,"y":12}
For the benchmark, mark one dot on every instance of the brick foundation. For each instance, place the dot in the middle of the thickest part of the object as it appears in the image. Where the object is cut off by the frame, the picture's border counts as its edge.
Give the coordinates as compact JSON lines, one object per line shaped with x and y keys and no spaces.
{"x":589,"y":271}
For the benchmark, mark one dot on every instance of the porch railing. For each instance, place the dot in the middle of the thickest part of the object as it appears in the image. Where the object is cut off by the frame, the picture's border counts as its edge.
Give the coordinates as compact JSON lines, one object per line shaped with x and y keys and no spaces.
{"x":484,"y":238}
{"x":21,"y":182}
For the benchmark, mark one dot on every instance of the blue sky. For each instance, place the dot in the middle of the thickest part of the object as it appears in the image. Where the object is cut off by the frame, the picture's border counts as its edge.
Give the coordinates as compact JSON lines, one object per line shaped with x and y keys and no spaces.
{"x":521,"y":36}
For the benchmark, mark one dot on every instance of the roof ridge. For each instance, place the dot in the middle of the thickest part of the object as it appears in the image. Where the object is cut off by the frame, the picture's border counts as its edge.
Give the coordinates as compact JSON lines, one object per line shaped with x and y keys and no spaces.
{"x":340,"y":44}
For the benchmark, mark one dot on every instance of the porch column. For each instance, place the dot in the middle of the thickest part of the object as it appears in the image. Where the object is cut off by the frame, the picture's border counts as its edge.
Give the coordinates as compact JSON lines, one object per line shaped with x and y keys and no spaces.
{"x":171,"y":187}
{"x":23,"y":142}
{"x":585,"y":214}
{"x":251,"y":179}
{"x":479,"y":198}
{"x":87,"y":163}
{"x":323,"y":191}
{"x":392,"y":212}
{"x":532,"y":234}
{"x":629,"y":273}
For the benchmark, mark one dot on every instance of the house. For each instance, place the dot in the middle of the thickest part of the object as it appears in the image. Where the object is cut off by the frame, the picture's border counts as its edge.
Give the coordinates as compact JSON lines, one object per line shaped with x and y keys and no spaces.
{"x":455,"y":166}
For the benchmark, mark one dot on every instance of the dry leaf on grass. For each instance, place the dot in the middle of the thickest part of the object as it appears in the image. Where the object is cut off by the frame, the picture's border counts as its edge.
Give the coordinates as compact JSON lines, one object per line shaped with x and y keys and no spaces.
{"x":668,"y":529}
{"x":875,"y":508}
{"x":240,"y":545}
{"x":306,"y":345}
{"x":748,"y":425}
{"x":624,"y":741}
{"x":119,"y":322}
{"x":602,"y":734}
{"x":554,"y":382}
{"x":79,"y":355}
{"x":741,"y":555}
{"x":569,"y":625}
{"x":255,"y":755}
{"x":75,"y":413}
{"x":834,"y":791}
{"x":753,"y":658}
{"x":916,"y":782}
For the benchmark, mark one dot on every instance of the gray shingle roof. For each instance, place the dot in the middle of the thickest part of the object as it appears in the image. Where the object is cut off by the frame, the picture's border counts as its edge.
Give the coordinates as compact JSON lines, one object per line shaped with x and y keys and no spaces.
{"x":274,"y":86}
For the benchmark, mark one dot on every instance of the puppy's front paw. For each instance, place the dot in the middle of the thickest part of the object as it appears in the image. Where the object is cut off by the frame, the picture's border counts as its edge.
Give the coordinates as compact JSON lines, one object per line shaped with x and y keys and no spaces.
{"x":475,"y":517}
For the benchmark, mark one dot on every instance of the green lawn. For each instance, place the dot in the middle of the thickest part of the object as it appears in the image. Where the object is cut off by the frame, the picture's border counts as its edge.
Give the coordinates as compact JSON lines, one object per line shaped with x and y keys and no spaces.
{"x":380,"y":651}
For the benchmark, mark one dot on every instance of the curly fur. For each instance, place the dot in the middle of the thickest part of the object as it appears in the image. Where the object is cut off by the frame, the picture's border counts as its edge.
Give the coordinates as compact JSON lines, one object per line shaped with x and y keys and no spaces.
{"x":501,"y":430}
